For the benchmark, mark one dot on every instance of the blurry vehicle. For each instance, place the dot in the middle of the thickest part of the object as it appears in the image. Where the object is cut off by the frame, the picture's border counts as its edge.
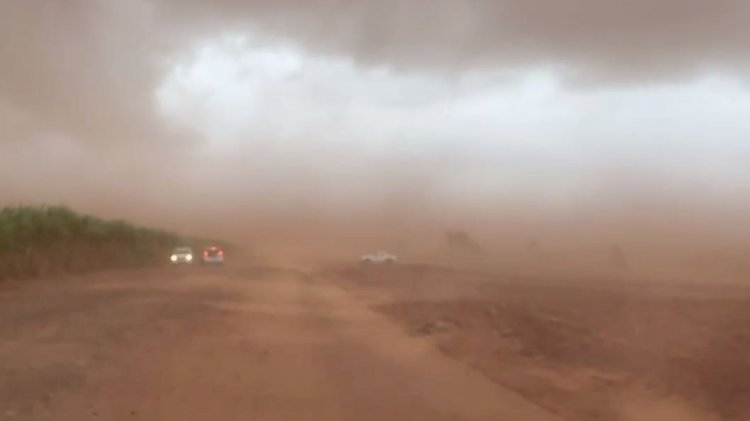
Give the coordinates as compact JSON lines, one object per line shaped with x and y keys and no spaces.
{"x":213,"y":256}
{"x":182,"y":255}
{"x":379,"y":258}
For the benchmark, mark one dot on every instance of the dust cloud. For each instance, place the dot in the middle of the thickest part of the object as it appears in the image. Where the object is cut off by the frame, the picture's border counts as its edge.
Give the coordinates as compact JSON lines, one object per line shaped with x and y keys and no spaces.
{"x":317,"y":127}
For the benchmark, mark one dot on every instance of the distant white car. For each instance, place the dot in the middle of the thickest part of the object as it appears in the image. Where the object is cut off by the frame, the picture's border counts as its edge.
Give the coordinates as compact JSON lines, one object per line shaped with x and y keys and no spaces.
{"x":379,"y":258}
{"x":182,"y":255}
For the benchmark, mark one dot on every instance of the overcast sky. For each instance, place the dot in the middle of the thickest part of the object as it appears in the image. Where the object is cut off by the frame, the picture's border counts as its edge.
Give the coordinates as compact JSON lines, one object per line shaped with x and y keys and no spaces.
{"x":145,"y":106}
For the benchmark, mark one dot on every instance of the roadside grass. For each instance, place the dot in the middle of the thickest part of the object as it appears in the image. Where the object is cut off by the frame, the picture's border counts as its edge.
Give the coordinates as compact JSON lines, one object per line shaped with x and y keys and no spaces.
{"x":44,"y":240}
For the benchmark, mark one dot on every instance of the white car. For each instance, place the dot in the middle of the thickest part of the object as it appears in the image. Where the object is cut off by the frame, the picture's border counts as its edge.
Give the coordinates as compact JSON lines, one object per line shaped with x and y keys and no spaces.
{"x":182,"y":255}
{"x":379,"y":258}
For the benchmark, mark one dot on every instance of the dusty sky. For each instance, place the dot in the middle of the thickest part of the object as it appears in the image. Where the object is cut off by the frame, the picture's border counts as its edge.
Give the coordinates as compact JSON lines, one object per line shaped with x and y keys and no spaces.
{"x":181,"y":113}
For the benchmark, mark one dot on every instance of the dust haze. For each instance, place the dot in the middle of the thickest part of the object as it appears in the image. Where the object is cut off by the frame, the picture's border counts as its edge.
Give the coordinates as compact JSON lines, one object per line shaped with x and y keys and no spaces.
{"x":569,"y":137}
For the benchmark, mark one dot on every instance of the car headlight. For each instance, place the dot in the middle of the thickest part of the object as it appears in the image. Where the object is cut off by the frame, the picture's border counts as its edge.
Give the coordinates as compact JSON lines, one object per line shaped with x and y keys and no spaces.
{"x":173,"y":258}
{"x":189,"y":257}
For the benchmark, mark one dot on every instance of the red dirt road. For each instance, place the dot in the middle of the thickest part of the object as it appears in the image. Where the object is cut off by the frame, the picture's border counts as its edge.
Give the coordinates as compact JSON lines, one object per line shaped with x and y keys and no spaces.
{"x":225,"y":344}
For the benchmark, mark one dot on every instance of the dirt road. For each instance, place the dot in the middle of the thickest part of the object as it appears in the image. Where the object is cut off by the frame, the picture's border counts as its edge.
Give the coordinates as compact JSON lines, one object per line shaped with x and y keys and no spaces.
{"x":226,"y":344}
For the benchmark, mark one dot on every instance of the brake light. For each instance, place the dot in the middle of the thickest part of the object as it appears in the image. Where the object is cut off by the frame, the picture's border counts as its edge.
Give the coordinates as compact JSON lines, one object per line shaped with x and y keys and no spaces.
{"x":205,"y":254}
{"x":221,"y":252}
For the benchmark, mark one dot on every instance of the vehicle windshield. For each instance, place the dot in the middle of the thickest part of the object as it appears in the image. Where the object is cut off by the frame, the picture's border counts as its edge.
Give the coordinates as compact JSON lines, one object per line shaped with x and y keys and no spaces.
{"x":183,"y":250}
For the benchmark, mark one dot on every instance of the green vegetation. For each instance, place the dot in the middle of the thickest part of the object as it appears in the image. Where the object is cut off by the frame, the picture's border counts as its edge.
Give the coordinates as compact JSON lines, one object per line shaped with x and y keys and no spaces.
{"x":39,"y":241}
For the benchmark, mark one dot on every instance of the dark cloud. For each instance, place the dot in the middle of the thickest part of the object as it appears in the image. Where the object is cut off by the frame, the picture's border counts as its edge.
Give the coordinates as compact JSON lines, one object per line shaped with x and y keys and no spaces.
{"x":605,"y":39}
{"x":63,"y":61}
